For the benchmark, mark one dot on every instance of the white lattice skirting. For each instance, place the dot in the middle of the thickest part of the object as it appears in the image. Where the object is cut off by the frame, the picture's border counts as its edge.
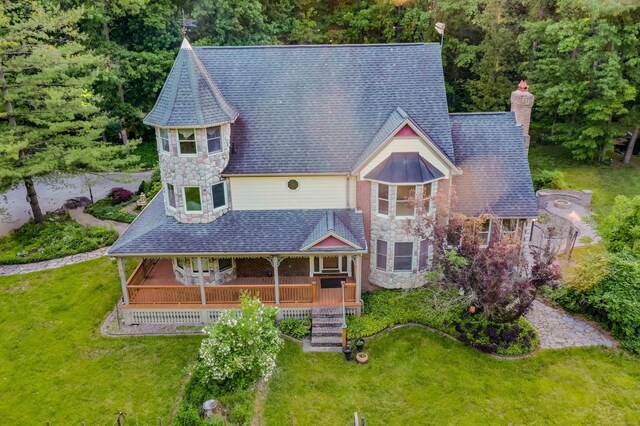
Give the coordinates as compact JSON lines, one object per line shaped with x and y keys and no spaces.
{"x":133,"y":316}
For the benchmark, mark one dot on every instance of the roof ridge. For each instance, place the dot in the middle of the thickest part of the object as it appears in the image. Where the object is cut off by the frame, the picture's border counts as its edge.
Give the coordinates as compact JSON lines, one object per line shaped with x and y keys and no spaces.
{"x":222,"y":102}
{"x":298,"y":46}
{"x":482,"y":113}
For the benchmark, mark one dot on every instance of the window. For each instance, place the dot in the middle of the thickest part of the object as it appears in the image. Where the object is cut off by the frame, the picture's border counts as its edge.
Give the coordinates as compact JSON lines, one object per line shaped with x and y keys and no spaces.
{"x":404,"y":202}
{"x":214,"y":139}
{"x":219,"y":195}
{"x":403,"y":257}
{"x":180,"y":263}
{"x":423,"y":258}
{"x":164,"y":140}
{"x":192,"y":199}
{"x":381,"y":255}
{"x":426,"y":196}
{"x":196,"y":269}
{"x":484,"y":233}
{"x":171,"y":195}
{"x":187,"y":142}
{"x":330,"y":264}
{"x":224,"y":264}
{"x":383,"y":199}
{"x":509,"y":228}
{"x":293,"y":184}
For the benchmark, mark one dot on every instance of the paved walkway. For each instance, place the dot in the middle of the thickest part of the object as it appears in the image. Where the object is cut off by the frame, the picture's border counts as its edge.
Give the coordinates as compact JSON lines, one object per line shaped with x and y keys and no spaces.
{"x":52,"y":264}
{"x":580,"y":217}
{"x":87,"y":220}
{"x":557,"y":329}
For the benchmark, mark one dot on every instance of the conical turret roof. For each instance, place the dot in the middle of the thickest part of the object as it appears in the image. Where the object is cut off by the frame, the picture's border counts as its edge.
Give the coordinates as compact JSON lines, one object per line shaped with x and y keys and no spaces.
{"x":190,"y":97}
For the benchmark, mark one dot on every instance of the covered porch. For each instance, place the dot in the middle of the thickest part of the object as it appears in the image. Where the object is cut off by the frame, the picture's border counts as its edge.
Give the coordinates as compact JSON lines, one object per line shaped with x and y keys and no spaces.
{"x":157,"y":292}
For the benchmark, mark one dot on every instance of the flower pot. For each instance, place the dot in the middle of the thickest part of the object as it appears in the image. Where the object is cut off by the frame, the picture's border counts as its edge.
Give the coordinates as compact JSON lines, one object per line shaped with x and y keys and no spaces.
{"x":359,"y":345}
{"x":362,"y":358}
{"x":348,"y":353}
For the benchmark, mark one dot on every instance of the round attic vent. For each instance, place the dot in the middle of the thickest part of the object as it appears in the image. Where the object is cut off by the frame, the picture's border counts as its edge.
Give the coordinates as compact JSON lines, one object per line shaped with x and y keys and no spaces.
{"x":293,"y":184}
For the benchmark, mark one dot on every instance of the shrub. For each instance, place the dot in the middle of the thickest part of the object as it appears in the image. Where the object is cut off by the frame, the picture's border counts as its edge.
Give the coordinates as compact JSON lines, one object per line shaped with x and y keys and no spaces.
{"x":441,"y":309}
{"x":57,"y":237}
{"x":620,"y":229}
{"x":120,"y":195}
{"x":242,"y":346}
{"x":105,"y":209}
{"x":614,"y":298}
{"x":293,"y":327}
{"x":550,"y":179}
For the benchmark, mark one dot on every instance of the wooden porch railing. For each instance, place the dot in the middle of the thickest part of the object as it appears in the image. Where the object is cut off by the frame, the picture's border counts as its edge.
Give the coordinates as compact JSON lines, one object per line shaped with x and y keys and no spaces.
{"x":350,"y":292}
{"x":218,"y":294}
{"x":141,"y":272}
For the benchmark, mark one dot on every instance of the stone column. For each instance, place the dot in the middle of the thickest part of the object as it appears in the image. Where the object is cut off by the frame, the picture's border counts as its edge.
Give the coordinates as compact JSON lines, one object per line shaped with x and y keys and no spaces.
{"x":123,"y":281}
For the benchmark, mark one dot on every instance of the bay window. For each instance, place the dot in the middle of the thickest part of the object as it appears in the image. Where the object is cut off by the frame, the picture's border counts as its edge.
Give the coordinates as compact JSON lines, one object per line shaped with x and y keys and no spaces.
{"x":381,"y":255}
{"x":171,"y":195}
{"x":383,"y":199}
{"x":404,"y":200}
{"x":423,"y":258}
{"x":403,"y":257}
{"x":426,"y":196}
{"x":224,"y":264}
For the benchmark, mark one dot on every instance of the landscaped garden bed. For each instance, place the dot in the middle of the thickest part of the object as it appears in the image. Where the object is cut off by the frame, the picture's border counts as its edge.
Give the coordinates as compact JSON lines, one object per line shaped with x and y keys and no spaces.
{"x":56,"y":237}
{"x":386,"y":308}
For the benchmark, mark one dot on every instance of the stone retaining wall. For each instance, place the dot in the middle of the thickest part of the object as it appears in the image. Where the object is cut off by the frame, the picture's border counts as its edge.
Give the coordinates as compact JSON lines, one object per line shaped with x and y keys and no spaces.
{"x":582,"y":198}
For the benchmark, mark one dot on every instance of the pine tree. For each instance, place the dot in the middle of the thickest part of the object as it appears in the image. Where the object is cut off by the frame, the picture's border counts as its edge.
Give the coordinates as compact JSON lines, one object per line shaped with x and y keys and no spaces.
{"x":50,"y":122}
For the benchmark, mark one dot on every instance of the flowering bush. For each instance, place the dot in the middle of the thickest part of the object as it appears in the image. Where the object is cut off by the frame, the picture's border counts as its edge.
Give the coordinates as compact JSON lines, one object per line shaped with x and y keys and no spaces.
{"x":242,"y":347}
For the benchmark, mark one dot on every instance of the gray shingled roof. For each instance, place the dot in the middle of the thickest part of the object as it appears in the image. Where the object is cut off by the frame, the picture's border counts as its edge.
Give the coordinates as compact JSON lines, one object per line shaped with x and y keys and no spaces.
{"x":405,"y":167}
{"x":238,"y":231}
{"x":308,"y":109}
{"x":189,"y":97}
{"x":330,"y":224}
{"x":495,"y":178}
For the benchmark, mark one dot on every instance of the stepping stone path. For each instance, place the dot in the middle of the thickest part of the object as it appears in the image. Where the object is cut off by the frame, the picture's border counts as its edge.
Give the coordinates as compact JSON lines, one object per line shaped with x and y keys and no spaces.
{"x":557,"y":329}
{"x":51,"y":264}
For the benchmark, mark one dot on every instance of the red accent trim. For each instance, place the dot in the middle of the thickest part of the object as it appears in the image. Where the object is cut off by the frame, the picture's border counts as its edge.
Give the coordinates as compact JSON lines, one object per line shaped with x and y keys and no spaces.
{"x":331,"y":242}
{"x":406,"y":131}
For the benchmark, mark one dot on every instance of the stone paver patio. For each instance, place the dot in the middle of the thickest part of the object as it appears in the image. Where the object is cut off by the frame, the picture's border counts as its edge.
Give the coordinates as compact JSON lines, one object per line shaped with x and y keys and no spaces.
{"x":557,"y":329}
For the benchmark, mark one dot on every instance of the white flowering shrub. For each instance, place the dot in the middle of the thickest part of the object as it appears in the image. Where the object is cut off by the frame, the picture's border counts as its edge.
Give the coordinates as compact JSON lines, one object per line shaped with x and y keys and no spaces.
{"x":242,"y":346}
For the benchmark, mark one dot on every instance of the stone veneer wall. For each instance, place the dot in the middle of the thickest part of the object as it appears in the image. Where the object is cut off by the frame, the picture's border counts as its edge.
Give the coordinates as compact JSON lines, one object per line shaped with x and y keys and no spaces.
{"x":393,"y":230}
{"x":203,"y":170}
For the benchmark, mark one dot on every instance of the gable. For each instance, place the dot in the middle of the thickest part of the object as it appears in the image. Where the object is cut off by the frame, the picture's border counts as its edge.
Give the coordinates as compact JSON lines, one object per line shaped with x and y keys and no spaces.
{"x":330,"y":242}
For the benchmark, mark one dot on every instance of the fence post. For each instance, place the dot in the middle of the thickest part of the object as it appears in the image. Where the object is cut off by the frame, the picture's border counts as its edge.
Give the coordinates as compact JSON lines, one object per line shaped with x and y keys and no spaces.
{"x":159,"y":421}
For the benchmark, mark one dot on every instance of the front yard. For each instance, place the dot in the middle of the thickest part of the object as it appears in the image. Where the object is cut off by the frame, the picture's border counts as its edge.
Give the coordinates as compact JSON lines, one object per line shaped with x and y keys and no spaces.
{"x":55,"y":365}
{"x":417,"y":377}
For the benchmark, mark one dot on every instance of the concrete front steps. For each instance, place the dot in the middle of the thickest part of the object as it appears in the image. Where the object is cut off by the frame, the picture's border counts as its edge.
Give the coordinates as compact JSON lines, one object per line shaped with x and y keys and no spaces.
{"x":326,"y":331}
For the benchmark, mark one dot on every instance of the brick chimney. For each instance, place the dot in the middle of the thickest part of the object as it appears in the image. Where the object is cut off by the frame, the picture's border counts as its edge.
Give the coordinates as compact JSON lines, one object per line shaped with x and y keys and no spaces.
{"x":521,"y":104}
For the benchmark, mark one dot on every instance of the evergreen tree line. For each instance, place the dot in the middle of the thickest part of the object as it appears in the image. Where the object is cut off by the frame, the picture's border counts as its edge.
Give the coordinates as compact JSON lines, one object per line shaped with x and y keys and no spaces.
{"x":77,"y":76}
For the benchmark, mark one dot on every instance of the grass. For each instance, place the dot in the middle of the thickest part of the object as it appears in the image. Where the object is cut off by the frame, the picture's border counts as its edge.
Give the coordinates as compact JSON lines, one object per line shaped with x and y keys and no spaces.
{"x":105,"y":210}
{"x":148,"y":153}
{"x":605,"y":181}
{"x":417,"y":377}
{"x":57,"y":237}
{"x":55,"y":365}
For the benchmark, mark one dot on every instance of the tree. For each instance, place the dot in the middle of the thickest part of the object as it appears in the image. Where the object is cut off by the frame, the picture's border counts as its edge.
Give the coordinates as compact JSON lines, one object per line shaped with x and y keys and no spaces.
{"x":51,"y":122}
{"x":579,"y":63}
{"x":620,"y":229}
{"x":498,"y":279}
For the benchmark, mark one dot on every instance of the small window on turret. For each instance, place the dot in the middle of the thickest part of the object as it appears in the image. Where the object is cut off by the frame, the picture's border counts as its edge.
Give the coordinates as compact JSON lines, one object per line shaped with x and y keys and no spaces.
{"x":164,"y":140}
{"x":214,"y":139}
{"x":187,"y":142}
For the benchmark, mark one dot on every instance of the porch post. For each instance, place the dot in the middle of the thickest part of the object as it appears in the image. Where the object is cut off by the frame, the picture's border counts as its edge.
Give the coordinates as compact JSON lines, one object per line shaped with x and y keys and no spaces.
{"x":349,"y":258}
{"x":276,"y":279}
{"x":358,"y":274}
{"x":123,"y":281}
{"x":203,"y":296}
{"x":311,"y":265}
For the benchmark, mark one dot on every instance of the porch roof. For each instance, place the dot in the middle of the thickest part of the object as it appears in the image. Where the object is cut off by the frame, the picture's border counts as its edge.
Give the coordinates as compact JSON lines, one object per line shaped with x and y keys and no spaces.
{"x":236,"y":232}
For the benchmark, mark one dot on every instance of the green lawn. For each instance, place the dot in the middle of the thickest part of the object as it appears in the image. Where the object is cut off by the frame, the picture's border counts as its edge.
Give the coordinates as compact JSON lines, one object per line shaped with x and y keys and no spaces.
{"x":55,"y":365}
{"x":416,"y":377}
{"x":606,"y":182}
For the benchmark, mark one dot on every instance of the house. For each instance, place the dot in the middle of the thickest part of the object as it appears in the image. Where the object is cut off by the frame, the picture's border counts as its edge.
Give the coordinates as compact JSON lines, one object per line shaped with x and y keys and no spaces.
{"x":287,"y":173}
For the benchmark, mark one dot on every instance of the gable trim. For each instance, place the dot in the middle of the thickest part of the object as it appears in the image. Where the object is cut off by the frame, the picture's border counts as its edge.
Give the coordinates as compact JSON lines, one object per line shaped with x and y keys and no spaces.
{"x":327,"y":235}
{"x":421,"y":135}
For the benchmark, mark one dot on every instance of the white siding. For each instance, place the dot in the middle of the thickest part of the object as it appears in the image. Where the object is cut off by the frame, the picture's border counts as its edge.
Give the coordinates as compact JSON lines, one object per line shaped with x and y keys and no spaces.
{"x":405,"y":144}
{"x":272,"y":193}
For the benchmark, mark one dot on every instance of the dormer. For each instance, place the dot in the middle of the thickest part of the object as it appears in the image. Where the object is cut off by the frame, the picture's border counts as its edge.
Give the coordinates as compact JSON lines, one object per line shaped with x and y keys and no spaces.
{"x":193,"y":128}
